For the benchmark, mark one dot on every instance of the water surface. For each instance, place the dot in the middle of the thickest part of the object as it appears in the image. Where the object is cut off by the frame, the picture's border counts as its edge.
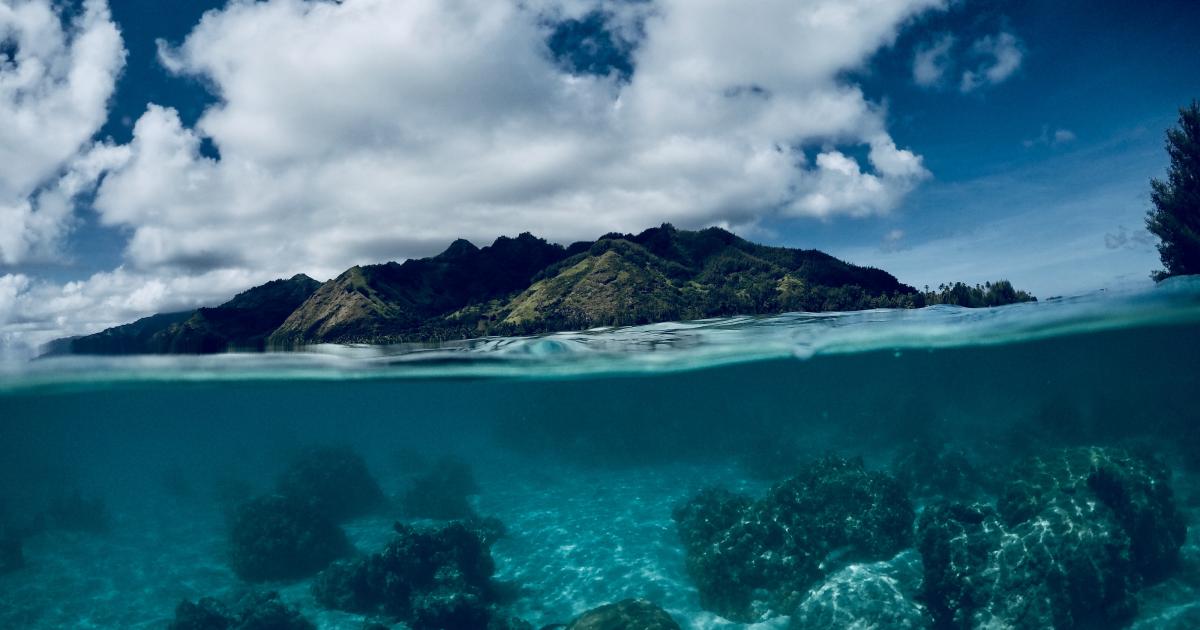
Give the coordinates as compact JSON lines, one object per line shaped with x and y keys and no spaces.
{"x":581,"y":443}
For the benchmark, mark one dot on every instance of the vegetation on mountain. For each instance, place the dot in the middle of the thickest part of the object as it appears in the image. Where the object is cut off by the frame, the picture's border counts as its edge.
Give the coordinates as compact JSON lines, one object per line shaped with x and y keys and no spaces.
{"x":525,"y":285}
{"x":1175,"y":219}
{"x":242,"y":323}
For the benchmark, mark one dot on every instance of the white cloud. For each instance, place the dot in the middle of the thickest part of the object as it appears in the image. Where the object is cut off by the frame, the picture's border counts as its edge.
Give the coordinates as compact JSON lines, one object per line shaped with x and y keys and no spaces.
{"x":54,"y":92}
{"x":1047,"y":138}
{"x":932,"y":61}
{"x":1000,"y":56}
{"x":33,"y":312}
{"x":379,"y":129}
{"x":367,"y":130}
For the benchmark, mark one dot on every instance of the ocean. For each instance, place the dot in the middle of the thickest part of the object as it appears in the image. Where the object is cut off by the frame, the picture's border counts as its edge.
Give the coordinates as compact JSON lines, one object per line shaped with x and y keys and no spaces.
{"x":122,"y":479}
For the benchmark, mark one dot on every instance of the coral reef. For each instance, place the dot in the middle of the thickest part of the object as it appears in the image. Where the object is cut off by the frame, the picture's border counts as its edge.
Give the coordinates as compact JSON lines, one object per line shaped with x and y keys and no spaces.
{"x":332,"y":480}
{"x":441,"y":492}
{"x":753,"y":560}
{"x":276,"y":537}
{"x":1076,"y":533}
{"x":430,"y":579}
{"x":928,"y":469}
{"x":1135,"y":487}
{"x":255,"y":611}
{"x":628,"y":614}
{"x":875,"y":595}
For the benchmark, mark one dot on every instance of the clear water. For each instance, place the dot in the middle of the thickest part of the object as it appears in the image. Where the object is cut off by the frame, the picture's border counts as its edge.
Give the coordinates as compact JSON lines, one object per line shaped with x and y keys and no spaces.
{"x":581,"y":443}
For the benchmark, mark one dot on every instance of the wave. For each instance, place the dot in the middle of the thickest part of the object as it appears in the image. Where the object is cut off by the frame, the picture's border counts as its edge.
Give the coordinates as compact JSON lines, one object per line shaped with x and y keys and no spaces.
{"x":665,"y":347}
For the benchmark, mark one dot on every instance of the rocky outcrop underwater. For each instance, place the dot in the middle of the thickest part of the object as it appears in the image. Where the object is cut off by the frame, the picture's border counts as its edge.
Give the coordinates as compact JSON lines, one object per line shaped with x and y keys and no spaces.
{"x":1073,"y":537}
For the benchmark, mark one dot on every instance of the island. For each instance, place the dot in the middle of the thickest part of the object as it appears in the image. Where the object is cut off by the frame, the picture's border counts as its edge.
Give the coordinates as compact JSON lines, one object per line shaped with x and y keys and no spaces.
{"x":527,"y":285}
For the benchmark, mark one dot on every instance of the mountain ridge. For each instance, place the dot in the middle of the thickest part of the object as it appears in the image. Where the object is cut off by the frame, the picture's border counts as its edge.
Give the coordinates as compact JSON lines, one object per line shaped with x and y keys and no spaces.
{"x":527,"y":285}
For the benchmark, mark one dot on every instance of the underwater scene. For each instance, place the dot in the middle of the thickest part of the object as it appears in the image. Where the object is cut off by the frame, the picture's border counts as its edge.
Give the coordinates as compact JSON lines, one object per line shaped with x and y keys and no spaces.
{"x":1028,"y":466}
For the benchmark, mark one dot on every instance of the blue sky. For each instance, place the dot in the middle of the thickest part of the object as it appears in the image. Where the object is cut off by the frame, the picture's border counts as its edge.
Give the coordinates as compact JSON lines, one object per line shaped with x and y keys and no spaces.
{"x":164,"y":162}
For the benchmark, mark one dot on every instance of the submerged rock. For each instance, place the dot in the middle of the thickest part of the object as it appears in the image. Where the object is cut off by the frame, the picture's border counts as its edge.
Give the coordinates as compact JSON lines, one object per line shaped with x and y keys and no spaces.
{"x":627,"y":614}
{"x":875,"y":595}
{"x":256,"y":611}
{"x":928,"y":469}
{"x":276,"y":537}
{"x":430,"y":579}
{"x":1135,"y":487}
{"x":1075,"y":535}
{"x":332,"y":480}
{"x":755,"y":559}
{"x":441,"y":492}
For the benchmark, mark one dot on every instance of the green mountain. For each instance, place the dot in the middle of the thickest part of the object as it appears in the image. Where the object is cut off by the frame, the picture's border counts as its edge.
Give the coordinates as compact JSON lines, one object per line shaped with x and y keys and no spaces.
{"x":525,"y":285}
{"x":242,"y":323}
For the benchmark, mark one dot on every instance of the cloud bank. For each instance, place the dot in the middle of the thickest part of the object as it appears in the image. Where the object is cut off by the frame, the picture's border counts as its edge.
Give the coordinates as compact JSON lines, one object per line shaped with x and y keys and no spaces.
{"x":55,"y":82}
{"x":367,"y":130}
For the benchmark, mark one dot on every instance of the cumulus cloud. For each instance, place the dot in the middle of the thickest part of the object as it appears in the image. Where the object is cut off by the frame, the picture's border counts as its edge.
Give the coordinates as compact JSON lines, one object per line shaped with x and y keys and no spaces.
{"x":367,"y":130}
{"x":999,"y":55}
{"x":55,"y":82}
{"x":932,"y":61}
{"x":33,"y":312}
{"x":378,"y":129}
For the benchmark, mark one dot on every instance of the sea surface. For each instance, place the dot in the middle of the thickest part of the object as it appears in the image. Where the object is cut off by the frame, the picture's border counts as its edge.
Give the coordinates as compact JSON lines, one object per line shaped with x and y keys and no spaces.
{"x":582,"y":444}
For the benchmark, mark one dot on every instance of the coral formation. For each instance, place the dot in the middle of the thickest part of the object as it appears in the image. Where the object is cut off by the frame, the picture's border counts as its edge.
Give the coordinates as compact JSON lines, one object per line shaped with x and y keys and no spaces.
{"x":753,"y":560}
{"x":627,"y":614}
{"x":332,"y":480}
{"x":1076,"y":534}
{"x":875,"y":595}
{"x":430,"y":579}
{"x":255,"y":611}
{"x":276,"y":537}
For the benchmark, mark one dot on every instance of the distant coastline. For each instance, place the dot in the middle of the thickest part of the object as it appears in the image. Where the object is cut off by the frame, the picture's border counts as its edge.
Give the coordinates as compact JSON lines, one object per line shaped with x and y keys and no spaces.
{"x":526,"y":285}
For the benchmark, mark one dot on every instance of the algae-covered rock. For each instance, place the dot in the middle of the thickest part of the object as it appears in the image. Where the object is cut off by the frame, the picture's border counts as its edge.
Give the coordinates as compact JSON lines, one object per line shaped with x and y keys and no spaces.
{"x":1066,"y":568}
{"x":256,"y":611}
{"x":332,"y":480}
{"x":439,"y":578}
{"x":628,"y":614}
{"x":1076,"y":534}
{"x":861,"y":596}
{"x":276,"y":537}
{"x":753,"y":560}
{"x":1135,"y":487}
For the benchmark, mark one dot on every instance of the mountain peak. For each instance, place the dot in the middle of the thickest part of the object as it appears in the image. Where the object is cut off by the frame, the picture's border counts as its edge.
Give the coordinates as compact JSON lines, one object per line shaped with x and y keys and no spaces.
{"x":522,"y":285}
{"x":459,"y":248}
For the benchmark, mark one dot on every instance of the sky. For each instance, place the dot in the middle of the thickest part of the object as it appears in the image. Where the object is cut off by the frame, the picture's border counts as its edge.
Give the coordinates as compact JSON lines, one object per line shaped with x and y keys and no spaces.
{"x":161,"y":156}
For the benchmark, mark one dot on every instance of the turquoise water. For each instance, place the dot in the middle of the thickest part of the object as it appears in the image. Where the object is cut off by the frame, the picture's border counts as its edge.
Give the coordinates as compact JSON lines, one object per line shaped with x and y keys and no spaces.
{"x":583,"y":444}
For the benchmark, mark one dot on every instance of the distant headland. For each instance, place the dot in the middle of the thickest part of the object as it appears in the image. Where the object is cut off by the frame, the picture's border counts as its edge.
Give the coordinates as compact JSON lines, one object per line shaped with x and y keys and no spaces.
{"x":526,"y":285}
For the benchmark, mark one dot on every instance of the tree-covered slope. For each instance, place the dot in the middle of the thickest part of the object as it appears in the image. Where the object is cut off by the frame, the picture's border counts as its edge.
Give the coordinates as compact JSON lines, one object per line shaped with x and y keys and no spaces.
{"x":526,"y":285}
{"x":242,"y":323}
